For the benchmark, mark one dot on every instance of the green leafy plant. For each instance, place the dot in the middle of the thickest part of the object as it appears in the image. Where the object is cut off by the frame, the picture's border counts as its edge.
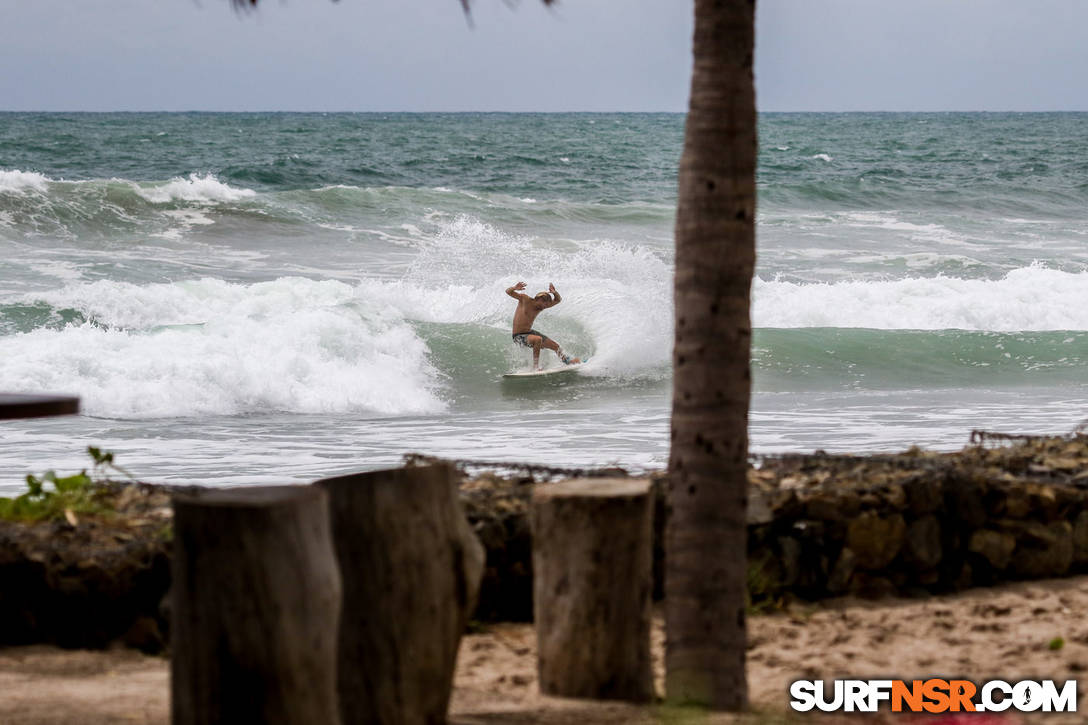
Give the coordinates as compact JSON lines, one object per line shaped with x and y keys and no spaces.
{"x":764,"y":586}
{"x":50,"y":496}
{"x":103,"y":462}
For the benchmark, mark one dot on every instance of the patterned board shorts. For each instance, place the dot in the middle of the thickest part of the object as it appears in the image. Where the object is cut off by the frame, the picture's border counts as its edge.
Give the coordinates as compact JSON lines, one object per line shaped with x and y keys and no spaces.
{"x":522,"y":338}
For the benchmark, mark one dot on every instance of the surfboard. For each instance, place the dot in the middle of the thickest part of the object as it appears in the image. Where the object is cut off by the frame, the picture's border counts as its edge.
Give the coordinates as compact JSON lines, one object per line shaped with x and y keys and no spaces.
{"x":560,"y":370}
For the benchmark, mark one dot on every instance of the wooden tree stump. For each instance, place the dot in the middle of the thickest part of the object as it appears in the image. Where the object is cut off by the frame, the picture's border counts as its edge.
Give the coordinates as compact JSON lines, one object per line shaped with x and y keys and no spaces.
{"x":256,"y":601}
{"x":411,"y":567}
{"x":592,"y":586}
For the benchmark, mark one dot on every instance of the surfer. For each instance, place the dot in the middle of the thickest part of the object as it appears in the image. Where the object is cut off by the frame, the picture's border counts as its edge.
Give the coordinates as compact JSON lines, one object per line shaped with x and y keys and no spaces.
{"x":528,"y":309}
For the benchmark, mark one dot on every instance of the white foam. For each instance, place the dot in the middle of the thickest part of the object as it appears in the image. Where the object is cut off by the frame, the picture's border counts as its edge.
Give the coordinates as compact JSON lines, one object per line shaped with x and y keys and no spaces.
{"x":20,"y":182}
{"x":815,"y":253}
{"x":66,"y":271}
{"x":617,"y":298}
{"x":887,"y":220}
{"x":209,"y":347}
{"x":920,"y":232}
{"x":186,"y":219}
{"x":202,"y":189}
{"x":1030,"y":298}
{"x":333,"y":187}
{"x":916,"y":260}
{"x":823,"y":157}
{"x":189,"y":217}
{"x":339,"y":227}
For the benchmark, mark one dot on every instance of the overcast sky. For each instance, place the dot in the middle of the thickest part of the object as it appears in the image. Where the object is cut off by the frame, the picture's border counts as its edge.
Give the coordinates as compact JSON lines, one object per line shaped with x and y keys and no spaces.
{"x":584,"y":55}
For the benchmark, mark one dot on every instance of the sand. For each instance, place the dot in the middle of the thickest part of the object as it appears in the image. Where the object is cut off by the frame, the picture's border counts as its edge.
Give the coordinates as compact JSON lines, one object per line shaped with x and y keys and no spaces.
{"x":1006,"y":632}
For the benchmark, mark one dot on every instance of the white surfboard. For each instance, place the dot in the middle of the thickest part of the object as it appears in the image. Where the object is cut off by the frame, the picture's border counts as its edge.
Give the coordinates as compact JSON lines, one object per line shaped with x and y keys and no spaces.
{"x":559,"y":370}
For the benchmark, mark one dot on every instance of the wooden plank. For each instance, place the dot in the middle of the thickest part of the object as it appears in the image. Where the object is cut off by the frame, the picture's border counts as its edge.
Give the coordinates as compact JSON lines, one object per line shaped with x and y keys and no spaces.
{"x":16,"y":405}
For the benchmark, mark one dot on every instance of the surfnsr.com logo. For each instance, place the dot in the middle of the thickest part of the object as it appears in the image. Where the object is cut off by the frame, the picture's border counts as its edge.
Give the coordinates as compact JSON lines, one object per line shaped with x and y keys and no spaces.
{"x":933,"y":696}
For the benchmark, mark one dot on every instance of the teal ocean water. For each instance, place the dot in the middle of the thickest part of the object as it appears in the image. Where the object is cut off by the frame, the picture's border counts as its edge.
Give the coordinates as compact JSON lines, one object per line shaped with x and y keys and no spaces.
{"x":277,"y":297}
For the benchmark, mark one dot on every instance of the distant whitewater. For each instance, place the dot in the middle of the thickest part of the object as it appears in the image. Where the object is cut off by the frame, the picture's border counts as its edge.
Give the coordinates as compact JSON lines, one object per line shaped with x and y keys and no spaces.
{"x":269,"y":297}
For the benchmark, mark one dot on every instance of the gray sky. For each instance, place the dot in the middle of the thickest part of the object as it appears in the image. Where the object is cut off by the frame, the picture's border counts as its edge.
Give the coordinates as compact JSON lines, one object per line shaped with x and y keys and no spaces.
{"x":922,"y":55}
{"x":594,"y":55}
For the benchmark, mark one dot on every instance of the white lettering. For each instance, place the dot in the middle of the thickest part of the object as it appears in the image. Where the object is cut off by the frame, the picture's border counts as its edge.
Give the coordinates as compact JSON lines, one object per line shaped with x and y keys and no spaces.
{"x":879,"y":690}
{"x":803,"y":693}
{"x":988,"y":702}
{"x":994,"y":696}
{"x":1065,"y":701}
{"x":856,"y":699}
{"x":821,"y":696}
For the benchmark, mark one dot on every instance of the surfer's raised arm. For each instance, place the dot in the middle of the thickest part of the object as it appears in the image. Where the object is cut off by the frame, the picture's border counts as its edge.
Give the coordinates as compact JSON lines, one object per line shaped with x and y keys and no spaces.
{"x":556,"y":299}
{"x":513,"y":291}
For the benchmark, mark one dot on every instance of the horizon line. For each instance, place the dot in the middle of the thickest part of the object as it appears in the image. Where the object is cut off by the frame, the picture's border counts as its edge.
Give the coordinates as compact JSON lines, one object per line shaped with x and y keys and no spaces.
{"x":497,"y":112}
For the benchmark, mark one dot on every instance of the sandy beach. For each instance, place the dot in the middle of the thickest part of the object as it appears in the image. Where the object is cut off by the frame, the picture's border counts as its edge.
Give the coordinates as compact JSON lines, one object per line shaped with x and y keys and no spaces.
{"x":1006,"y":632}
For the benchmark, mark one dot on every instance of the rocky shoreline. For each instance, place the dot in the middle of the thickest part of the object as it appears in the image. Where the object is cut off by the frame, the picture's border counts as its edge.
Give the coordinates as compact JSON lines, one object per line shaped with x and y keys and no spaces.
{"x":919,"y":522}
{"x":89,"y":580}
{"x":819,"y":526}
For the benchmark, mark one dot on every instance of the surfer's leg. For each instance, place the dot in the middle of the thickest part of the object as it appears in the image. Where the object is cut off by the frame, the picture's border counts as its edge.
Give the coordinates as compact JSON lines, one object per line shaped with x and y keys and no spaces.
{"x":535,"y":341}
{"x":554,"y":346}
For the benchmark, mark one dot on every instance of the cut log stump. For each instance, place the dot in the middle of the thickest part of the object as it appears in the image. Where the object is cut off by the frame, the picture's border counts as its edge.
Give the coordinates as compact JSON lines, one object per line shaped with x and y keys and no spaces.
{"x":256,"y":601}
{"x":411,"y":567}
{"x":592,"y":584}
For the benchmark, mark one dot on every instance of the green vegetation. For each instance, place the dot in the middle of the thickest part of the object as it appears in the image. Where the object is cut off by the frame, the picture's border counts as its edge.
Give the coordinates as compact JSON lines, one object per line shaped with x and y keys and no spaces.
{"x":50,"y":497}
{"x":764,"y":585}
{"x":1056,"y":644}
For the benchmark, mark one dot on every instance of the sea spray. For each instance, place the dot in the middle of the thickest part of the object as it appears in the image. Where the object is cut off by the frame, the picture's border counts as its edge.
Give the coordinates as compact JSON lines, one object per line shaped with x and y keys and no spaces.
{"x":209,"y":347}
{"x":1033,"y":298}
{"x":197,"y":188}
{"x":21,"y":182}
{"x":616,"y":303}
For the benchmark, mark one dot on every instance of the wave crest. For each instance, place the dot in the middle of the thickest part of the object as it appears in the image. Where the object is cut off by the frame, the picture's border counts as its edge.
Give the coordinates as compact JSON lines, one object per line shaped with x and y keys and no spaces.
{"x":202,"y":189}
{"x":207,"y":347}
{"x":1028,"y":299}
{"x":19,"y":182}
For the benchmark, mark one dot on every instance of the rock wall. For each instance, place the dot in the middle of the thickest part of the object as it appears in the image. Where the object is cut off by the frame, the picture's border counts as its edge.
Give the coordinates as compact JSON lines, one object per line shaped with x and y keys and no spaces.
{"x":818,"y":526}
{"x":823,"y":526}
{"x":918,"y":522}
{"x":89,"y":581}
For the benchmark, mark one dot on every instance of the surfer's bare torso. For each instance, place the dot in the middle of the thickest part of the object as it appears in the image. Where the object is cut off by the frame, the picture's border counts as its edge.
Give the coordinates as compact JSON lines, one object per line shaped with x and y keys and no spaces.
{"x":530,"y":307}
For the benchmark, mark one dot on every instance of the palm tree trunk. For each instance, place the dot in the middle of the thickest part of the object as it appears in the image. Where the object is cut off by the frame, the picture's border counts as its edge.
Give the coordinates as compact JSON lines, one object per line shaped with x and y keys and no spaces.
{"x":715,"y":256}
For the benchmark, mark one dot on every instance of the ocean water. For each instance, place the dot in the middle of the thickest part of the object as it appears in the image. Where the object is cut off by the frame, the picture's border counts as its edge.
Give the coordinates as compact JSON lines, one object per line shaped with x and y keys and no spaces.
{"x":243,"y":298}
